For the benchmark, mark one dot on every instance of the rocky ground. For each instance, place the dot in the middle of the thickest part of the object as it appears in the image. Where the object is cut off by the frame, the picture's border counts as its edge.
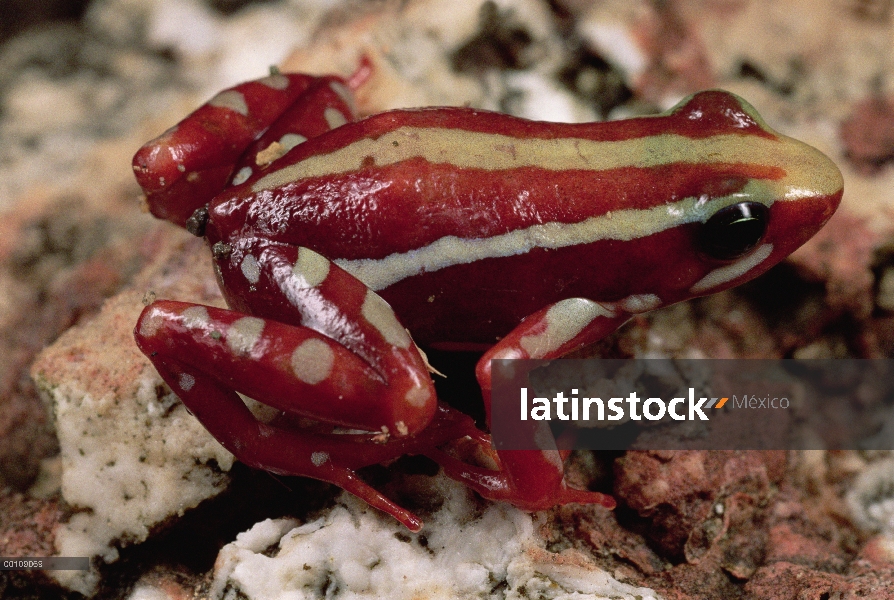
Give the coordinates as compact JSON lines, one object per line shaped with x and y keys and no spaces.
{"x":98,"y":458}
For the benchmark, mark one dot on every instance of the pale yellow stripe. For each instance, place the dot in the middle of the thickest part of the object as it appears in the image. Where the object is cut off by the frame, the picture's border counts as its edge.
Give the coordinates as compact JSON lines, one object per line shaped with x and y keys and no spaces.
{"x":618,"y":225}
{"x":807,"y":168}
{"x":808,"y":173}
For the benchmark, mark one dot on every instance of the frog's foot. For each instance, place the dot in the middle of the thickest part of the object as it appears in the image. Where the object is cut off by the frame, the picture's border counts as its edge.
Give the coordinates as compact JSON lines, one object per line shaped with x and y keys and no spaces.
{"x":469,"y":457}
{"x":540,"y":486}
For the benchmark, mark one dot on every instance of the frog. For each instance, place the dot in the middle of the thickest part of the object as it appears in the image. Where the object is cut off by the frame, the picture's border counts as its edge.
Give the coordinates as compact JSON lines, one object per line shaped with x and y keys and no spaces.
{"x":345,"y":246}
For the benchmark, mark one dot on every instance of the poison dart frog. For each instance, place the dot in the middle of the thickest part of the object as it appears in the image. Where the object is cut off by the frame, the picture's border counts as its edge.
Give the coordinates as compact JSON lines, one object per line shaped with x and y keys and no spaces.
{"x":340,"y":244}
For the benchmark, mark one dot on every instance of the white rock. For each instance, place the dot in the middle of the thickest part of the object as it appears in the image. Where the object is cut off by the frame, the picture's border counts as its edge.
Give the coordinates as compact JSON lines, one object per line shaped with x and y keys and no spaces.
{"x":352,"y":552}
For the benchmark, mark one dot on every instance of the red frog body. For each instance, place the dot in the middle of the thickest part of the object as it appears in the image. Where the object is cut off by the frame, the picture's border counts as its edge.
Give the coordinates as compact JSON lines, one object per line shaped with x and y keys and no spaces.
{"x":332,"y":238}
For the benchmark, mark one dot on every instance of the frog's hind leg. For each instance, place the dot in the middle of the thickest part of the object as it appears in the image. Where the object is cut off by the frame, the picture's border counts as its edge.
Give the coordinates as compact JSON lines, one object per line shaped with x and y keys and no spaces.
{"x":277,"y":449}
{"x":206,"y":354}
{"x":293,"y":369}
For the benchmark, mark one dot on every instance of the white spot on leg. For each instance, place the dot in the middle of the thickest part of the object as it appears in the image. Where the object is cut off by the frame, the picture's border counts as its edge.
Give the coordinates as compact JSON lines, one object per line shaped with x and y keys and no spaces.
{"x":278,"y":149}
{"x":543,"y":438}
{"x":151,"y":324}
{"x":276,"y":81}
{"x":564,"y":320}
{"x":312,"y":361}
{"x":639,"y":303}
{"x":186,"y":381}
{"x":725,"y":274}
{"x":378,"y":314}
{"x":319,"y":457}
{"x":334,"y":118}
{"x":251,"y":269}
{"x":290,"y":140}
{"x":507,"y":354}
{"x":311,"y":266}
{"x":554,"y":458}
{"x":244,"y":334}
{"x":546,"y":443}
{"x":505,"y":369}
{"x":242,"y":176}
{"x":231,"y":99}
{"x":195,"y":317}
{"x":418,"y":395}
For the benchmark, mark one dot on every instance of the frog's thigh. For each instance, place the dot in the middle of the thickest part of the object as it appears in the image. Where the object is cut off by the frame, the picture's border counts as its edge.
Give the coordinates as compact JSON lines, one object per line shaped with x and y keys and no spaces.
{"x":291,"y":368}
{"x":298,"y":286}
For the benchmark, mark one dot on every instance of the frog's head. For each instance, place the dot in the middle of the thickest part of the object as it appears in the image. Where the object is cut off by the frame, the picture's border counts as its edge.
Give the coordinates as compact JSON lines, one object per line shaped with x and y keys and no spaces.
{"x":745,"y":197}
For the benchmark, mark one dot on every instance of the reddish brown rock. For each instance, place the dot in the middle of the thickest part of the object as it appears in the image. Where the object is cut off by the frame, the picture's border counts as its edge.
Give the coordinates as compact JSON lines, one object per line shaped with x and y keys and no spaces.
{"x":868,"y":134}
{"x":615,"y":548}
{"x":679,"y":61}
{"x":788,"y":581}
{"x":27,"y":524}
{"x":693,"y":499}
{"x":27,"y":528}
{"x":61,"y":258}
{"x":841,"y":255}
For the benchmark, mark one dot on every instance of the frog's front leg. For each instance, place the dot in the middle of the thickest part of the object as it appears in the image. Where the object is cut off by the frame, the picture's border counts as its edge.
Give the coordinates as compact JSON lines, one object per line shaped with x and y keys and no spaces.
{"x":535,"y":479}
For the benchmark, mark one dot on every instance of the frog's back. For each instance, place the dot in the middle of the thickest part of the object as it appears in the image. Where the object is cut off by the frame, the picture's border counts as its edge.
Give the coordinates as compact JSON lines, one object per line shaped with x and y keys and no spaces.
{"x":436,"y":207}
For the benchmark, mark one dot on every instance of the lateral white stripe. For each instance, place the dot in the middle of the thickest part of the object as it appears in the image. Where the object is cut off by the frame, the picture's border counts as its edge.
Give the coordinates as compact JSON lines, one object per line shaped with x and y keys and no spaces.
{"x":451,"y":250}
{"x":807,"y":168}
{"x":564,"y":321}
{"x":727,"y":273}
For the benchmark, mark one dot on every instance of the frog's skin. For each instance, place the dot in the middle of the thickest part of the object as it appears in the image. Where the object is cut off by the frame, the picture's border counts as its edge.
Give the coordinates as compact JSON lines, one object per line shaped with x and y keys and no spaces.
{"x":334,"y":240}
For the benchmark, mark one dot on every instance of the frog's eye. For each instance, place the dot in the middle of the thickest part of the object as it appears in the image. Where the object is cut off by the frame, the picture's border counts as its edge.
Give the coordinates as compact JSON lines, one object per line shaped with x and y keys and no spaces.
{"x":732,"y":231}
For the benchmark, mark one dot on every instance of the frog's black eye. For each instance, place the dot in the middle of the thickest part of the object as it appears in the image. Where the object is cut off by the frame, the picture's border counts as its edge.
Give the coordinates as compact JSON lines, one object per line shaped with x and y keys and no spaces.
{"x":732,"y":231}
